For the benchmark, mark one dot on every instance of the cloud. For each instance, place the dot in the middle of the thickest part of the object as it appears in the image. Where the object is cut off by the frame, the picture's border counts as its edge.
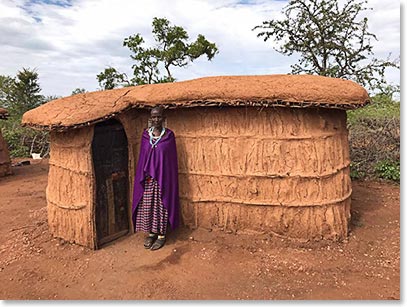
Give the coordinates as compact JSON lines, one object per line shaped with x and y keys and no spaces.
{"x":70,"y":42}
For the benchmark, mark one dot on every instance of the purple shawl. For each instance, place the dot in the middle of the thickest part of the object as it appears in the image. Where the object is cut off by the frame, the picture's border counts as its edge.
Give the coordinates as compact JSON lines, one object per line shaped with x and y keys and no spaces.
{"x":160,"y":163}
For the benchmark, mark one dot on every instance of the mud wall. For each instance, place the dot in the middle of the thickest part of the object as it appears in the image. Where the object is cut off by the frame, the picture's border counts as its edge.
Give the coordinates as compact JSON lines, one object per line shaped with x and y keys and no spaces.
{"x":71,"y":196}
{"x":5,"y":162}
{"x":275,"y":170}
{"x":70,"y":190}
{"x":134,"y":123}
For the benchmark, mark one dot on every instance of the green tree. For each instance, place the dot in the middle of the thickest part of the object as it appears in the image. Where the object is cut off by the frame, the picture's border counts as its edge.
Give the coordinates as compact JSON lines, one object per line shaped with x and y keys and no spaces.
{"x":6,"y":84}
{"x":173,"y":49}
{"x":110,"y":78}
{"x":78,"y":91}
{"x":21,"y":93}
{"x":332,"y":39}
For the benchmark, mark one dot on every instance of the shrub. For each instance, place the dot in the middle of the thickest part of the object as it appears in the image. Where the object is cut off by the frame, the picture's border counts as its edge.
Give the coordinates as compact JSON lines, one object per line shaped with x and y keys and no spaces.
{"x":23,"y":141}
{"x":356,"y":171}
{"x":374,"y":136}
{"x":388,"y":169}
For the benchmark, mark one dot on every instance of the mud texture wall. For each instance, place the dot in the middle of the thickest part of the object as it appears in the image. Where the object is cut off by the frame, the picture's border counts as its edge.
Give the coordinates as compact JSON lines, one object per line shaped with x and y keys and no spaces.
{"x":272,"y":170}
{"x":70,"y":190}
{"x":5,"y":162}
{"x":278,"y":170}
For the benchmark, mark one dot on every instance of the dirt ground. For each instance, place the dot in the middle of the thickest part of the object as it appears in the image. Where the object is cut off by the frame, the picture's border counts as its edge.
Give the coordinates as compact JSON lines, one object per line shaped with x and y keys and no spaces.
{"x":197,"y":264}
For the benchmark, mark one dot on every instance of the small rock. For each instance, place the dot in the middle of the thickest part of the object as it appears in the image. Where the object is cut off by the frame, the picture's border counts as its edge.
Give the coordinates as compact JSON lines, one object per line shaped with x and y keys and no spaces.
{"x":174,"y":250}
{"x":191,"y":238}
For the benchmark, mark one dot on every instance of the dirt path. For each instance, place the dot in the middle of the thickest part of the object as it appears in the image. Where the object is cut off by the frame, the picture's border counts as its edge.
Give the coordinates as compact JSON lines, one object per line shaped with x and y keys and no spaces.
{"x":197,"y":264}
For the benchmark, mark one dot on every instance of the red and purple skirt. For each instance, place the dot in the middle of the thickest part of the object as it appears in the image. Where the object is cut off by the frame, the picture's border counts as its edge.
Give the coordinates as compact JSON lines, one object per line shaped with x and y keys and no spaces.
{"x":151,"y":214}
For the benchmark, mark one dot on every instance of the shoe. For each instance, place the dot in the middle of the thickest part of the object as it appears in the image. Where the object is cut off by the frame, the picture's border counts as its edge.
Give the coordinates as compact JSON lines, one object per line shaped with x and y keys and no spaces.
{"x":148,"y":242}
{"x":158,"y":244}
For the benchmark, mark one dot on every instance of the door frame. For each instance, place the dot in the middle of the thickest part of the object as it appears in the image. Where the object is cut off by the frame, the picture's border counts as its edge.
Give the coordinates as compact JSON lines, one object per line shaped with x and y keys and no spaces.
{"x":97,"y":244}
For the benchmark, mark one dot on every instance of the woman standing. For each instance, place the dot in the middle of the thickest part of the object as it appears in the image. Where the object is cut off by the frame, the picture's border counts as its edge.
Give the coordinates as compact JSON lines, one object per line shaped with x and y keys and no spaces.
{"x":155,"y":198}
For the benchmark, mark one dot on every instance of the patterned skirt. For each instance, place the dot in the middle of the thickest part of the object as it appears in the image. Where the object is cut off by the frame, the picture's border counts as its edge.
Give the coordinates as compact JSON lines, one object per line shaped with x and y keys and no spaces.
{"x":151,"y":214}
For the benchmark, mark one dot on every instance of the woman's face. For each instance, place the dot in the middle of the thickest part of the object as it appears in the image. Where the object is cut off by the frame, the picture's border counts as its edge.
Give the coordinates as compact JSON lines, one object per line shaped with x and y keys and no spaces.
{"x":156,"y":118}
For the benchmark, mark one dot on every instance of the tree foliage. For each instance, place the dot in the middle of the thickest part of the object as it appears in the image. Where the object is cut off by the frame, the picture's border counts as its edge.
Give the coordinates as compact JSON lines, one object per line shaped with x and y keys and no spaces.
{"x":110,"y":78}
{"x":6,"y":83}
{"x":78,"y":91}
{"x":172,"y":50}
{"x":21,"y":93}
{"x":18,"y":95}
{"x":333,"y":40}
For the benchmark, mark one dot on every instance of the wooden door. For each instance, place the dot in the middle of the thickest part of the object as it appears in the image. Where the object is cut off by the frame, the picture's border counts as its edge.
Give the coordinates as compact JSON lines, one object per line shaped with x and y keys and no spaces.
{"x":110,"y":160}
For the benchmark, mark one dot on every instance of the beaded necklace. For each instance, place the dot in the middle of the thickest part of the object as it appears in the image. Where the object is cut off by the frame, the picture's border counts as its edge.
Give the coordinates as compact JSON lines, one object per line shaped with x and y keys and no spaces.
{"x":155,"y":139}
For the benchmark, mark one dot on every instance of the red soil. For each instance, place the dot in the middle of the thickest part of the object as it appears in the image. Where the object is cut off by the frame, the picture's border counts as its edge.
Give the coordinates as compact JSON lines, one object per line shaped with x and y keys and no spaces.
{"x":197,"y":264}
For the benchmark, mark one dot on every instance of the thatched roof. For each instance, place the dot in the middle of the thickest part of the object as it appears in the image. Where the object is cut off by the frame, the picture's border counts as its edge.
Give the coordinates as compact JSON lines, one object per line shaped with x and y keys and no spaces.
{"x":262,"y":91}
{"x":3,"y":113}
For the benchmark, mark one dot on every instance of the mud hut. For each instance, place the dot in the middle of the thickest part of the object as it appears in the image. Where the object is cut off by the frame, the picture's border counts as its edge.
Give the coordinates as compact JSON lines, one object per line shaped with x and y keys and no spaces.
{"x":263,"y":154}
{"x":5,"y":162}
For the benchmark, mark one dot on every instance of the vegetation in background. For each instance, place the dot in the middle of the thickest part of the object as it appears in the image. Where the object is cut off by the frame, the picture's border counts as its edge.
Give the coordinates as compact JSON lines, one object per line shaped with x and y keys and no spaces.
{"x":110,"y":78}
{"x":22,"y":93}
{"x":388,"y":169}
{"x":382,"y":107}
{"x":78,"y":91}
{"x":172,"y":50}
{"x":374,"y":139}
{"x":18,"y":95}
{"x":333,"y":40}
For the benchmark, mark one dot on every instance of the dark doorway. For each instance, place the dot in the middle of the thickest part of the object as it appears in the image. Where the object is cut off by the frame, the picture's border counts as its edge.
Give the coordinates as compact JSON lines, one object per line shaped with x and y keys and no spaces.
{"x":110,"y":160}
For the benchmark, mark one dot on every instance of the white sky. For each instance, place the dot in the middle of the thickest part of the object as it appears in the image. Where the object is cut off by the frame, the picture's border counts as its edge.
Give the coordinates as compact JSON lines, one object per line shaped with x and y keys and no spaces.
{"x":70,"y":44}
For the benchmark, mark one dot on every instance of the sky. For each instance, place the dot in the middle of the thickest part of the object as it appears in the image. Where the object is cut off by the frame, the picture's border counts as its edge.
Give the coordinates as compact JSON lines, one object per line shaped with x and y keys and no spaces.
{"x":69,"y":42}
